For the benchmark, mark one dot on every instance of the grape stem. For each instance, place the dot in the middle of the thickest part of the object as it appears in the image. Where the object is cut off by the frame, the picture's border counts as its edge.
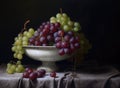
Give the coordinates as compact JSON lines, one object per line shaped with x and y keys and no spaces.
{"x":61,"y":10}
{"x":24,"y":27}
{"x":25,"y":24}
{"x":63,"y":39}
{"x":38,"y":37}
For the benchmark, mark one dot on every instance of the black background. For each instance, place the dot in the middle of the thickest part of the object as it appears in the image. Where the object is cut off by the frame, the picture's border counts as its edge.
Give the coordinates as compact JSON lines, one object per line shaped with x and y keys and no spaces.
{"x":98,"y":18}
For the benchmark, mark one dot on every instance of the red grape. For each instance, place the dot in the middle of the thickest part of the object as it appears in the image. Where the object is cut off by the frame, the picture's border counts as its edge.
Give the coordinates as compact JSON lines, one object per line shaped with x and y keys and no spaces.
{"x":25,"y":75}
{"x":65,"y":44}
{"x":72,"y":47}
{"x":57,"y":25}
{"x":37,"y":43}
{"x":61,"y":33}
{"x":43,"y":39}
{"x":50,"y":38}
{"x":77,"y":45}
{"x":72,"y":40}
{"x":61,"y":51}
{"x":70,"y":33}
{"x":55,"y":34}
{"x":43,"y":71}
{"x":39,"y":74}
{"x":45,"y":31}
{"x":47,"y":26}
{"x":53,"y":29}
{"x":53,"y":74}
{"x":67,"y":51}
{"x":67,"y":38}
{"x":57,"y":39}
{"x":33,"y":75}
{"x":59,"y":45}
{"x":44,"y":44}
{"x":30,"y":70}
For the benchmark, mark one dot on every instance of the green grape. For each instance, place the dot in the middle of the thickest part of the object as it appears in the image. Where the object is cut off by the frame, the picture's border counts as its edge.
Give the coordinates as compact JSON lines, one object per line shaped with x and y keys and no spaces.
{"x":70,"y":23}
{"x":29,"y":34}
{"x":25,"y":38}
{"x":58,"y":20}
{"x":76,"y":24}
{"x":20,"y":67}
{"x":19,"y":47}
{"x":13,"y":67}
{"x":64,"y":19}
{"x":58,"y":15}
{"x":21,"y":51}
{"x":18,"y":42}
{"x":66,"y":28}
{"x":19,"y":56}
{"x":53,"y":20}
{"x":17,"y":70}
{"x":15,"y":38}
{"x":15,"y":55}
{"x":9,"y":71}
{"x":18,"y":62}
{"x":25,"y":33}
{"x":20,"y":37}
{"x":64,"y":15}
{"x":9,"y":65}
{"x":17,"y":51}
{"x":31,"y":30}
{"x":13,"y":48}
{"x":25,"y":43}
{"x":76,"y":29}
{"x":63,"y":23}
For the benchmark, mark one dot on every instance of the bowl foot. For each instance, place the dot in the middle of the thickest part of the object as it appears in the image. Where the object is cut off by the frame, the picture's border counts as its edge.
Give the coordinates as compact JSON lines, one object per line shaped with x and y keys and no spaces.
{"x":49,"y":66}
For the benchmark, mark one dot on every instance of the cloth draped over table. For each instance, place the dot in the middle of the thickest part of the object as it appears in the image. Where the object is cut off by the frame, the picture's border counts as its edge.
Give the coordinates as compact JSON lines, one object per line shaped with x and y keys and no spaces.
{"x":107,"y":77}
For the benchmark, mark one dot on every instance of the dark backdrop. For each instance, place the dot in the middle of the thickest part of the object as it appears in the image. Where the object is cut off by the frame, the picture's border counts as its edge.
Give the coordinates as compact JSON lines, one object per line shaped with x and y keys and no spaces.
{"x":98,"y":18}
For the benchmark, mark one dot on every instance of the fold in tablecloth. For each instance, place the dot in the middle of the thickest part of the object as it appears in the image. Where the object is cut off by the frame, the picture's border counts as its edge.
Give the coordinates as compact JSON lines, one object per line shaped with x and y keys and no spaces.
{"x":90,"y":79}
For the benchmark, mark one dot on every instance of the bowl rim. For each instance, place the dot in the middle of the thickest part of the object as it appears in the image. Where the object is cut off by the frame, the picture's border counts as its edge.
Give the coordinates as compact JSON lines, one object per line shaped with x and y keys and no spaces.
{"x":31,"y":46}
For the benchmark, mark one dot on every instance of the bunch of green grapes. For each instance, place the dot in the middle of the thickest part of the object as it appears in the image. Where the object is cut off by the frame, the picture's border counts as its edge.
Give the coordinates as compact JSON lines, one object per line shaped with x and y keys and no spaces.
{"x":85,"y":46}
{"x":15,"y":67}
{"x":20,"y":41}
{"x":66,"y":23}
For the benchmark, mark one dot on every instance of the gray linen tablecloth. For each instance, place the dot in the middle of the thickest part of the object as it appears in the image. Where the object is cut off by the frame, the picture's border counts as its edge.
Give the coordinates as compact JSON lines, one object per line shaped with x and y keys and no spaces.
{"x":102,"y":77}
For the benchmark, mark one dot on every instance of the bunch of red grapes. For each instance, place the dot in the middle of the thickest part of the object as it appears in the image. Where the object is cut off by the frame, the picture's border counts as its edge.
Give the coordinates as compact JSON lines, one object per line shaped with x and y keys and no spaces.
{"x":51,"y":34}
{"x":34,"y":74}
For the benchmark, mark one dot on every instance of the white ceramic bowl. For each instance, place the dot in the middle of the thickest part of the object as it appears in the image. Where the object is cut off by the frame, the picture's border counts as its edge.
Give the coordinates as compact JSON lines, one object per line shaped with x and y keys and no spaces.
{"x":48,"y":55}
